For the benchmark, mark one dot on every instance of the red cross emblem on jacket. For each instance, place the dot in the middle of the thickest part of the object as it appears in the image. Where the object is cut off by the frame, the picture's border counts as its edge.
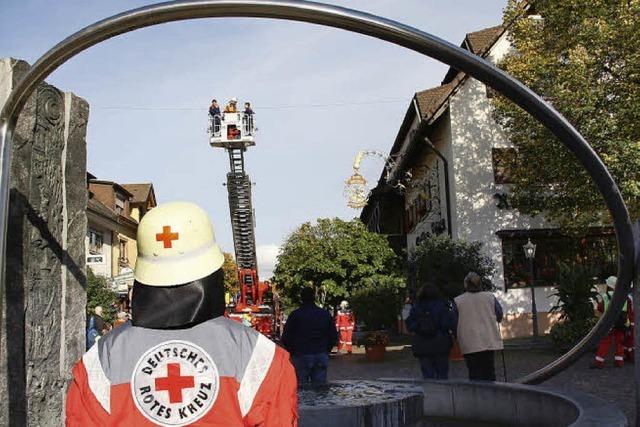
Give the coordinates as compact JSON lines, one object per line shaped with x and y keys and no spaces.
{"x":174,"y":383}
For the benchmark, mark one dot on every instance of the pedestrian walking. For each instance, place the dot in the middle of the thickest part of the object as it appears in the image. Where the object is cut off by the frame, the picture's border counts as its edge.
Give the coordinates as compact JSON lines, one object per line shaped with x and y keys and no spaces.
{"x":478,"y":313}
{"x":95,"y":327}
{"x":432,"y":322}
{"x":121,"y":319}
{"x":345,"y":324}
{"x":309,"y":335}
{"x":618,"y":332}
{"x":181,"y":361}
{"x":404,"y":314}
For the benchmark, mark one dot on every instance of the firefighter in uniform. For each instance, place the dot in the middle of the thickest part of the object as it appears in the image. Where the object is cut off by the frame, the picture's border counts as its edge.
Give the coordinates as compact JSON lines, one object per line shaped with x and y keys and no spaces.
{"x":345,"y":322}
{"x":180,"y":361}
{"x":617,"y":332}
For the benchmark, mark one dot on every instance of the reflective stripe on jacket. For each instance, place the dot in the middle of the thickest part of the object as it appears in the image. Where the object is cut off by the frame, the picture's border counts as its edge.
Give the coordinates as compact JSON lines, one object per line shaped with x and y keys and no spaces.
{"x":217,"y":373}
{"x":345,"y":320}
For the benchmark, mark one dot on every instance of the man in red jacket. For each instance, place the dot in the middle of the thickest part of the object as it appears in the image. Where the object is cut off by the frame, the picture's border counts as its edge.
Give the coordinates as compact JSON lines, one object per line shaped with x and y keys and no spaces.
{"x":180,"y":361}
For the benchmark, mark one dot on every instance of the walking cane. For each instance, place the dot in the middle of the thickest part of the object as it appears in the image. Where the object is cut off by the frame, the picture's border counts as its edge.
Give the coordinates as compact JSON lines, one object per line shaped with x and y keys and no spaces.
{"x":504,"y":367}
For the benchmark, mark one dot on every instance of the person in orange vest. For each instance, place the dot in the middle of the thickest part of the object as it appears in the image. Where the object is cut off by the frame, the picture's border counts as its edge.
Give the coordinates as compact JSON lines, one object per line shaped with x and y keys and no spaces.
{"x":231,"y":107}
{"x":345,"y":323}
{"x":181,"y":361}
{"x":617,"y":332}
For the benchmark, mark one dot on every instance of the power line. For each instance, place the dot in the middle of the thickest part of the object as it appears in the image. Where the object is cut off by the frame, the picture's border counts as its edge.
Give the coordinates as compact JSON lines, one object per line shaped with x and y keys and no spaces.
{"x":264,"y":107}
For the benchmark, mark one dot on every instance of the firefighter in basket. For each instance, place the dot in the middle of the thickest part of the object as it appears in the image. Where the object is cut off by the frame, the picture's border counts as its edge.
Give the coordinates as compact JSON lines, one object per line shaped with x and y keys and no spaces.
{"x":180,"y":361}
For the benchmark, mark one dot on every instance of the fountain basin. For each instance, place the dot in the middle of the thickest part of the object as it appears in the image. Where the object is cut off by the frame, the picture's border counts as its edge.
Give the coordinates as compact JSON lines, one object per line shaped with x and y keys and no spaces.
{"x":359,"y":404}
{"x":502,"y":404}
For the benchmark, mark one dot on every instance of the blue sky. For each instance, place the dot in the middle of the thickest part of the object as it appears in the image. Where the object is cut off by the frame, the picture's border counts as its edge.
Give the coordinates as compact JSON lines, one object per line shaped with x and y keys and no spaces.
{"x":320,"y":95}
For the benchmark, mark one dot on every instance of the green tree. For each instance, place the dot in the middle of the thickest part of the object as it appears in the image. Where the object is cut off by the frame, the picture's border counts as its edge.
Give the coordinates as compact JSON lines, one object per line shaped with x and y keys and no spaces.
{"x":338,"y":258}
{"x":576,"y":293}
{"x":378,"y":306}
{"x":445,"y":262}
{"x":583,"y":57}
{"x":99,"y":293}
{"x":230,"y":270}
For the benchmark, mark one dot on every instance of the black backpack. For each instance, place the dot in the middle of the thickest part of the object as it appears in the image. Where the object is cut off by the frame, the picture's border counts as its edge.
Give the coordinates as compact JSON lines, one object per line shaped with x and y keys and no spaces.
{"x":426,"y":325}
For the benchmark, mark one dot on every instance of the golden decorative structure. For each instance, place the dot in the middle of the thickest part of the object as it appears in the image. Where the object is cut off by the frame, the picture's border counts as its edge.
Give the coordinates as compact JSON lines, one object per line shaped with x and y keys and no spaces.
{"x":356,"y":191}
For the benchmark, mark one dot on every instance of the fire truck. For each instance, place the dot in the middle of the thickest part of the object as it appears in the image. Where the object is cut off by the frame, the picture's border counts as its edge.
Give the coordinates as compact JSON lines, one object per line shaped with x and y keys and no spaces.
{"x":255,"y":305}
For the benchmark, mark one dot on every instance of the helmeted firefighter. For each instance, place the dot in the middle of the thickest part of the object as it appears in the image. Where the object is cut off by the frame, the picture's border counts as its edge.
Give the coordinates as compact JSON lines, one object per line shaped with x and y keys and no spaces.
{"x":345,"y":323}
{"x":180,"y":361}
{"x":617,"y":332}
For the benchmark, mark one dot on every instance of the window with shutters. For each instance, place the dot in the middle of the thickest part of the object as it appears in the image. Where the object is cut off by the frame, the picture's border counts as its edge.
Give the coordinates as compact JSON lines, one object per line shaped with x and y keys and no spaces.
{"x":120,"y":204}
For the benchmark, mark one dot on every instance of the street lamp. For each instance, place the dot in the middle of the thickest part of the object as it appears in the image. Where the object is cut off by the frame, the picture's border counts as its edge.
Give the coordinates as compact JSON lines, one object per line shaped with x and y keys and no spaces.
{"x":530,"y":254}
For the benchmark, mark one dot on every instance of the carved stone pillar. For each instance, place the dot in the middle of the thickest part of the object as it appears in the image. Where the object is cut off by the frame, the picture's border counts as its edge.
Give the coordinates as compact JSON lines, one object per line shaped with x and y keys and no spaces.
{"x":44,"y":305}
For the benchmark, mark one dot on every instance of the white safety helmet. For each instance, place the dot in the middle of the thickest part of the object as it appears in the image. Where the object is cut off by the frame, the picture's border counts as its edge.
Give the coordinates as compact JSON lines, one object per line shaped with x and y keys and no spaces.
{"x":611,"y":281}
{"x":176,"y":245}
{"x":344,"y":304}
{"x":234,"y":100}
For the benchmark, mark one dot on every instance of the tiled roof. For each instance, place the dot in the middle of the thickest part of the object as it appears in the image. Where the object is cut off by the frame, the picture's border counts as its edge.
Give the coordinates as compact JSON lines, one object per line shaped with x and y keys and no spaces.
{"x":112,"y":183}
{"x":101,"y":209}
{"x":480,"y":41}
{"x":431,"y":99}
{"x":140,"y":192}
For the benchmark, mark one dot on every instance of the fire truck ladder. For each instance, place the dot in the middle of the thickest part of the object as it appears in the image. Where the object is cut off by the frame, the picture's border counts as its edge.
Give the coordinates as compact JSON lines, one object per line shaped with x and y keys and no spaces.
{"x":239,"y":189}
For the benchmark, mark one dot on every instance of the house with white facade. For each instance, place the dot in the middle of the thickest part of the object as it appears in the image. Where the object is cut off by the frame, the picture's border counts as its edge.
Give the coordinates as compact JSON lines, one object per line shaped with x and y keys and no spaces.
{"x":451,"y":153}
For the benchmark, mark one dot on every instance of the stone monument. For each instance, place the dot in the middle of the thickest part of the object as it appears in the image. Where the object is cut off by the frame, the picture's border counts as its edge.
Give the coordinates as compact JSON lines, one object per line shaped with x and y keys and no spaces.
{"x":43,"y":309}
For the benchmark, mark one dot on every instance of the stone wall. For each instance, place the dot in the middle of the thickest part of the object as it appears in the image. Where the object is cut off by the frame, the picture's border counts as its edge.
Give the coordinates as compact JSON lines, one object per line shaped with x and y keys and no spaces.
{"x":44,"y":303}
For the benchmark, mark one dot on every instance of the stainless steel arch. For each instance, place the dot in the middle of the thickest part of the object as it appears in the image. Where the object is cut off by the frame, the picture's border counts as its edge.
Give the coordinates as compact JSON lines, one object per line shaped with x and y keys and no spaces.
{"x":363,"y":23}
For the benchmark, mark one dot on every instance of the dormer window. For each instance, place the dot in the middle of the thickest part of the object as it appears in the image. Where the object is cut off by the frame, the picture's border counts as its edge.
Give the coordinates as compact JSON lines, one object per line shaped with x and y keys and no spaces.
{"x":120,"y":204}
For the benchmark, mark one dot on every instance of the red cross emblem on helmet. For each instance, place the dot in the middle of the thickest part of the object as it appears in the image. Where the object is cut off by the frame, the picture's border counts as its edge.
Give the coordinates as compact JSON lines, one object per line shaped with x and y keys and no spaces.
{"x":167,"y":236}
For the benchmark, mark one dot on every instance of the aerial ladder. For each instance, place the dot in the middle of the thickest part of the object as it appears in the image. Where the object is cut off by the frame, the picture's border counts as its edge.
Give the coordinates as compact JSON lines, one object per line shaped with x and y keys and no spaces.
{"x":255,"y":304}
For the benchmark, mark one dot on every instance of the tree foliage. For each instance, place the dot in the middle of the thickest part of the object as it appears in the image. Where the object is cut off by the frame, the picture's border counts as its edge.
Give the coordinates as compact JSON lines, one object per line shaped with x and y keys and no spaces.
{"x":445,"y":262}
{"x":576,"y":293}
{"x":378,"y":306}
{"x":337,"y":258}
{"x":582,"y":56}
{"x":230,"y":270}
{"x":99,"y":293}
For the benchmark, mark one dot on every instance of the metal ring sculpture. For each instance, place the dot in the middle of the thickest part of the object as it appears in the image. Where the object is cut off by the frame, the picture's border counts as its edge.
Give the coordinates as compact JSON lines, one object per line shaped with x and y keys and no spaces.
{"x":358,"y":22}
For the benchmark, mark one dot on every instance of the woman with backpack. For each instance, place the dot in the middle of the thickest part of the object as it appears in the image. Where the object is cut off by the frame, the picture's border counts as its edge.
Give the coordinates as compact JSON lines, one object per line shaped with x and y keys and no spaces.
{"x":432,"y":322}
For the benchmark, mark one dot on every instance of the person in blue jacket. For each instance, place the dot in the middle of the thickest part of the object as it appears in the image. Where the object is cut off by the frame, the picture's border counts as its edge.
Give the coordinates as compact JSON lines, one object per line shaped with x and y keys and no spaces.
{"x":309,"y":335}
{"x":433,"y":324}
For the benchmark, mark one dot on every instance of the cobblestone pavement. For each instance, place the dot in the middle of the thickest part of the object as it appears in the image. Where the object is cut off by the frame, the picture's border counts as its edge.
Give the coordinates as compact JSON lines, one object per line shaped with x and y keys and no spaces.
{"x":611,"y":384}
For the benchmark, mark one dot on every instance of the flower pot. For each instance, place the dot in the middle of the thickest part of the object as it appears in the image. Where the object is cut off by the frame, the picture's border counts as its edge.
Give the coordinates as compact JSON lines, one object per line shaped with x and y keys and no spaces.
{"x":375,"y":353}
{"x":455,"y":354}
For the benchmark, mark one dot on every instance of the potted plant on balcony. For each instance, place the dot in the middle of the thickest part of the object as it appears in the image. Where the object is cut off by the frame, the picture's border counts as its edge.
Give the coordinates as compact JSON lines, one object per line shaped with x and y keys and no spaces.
{"x":375,"y":344}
